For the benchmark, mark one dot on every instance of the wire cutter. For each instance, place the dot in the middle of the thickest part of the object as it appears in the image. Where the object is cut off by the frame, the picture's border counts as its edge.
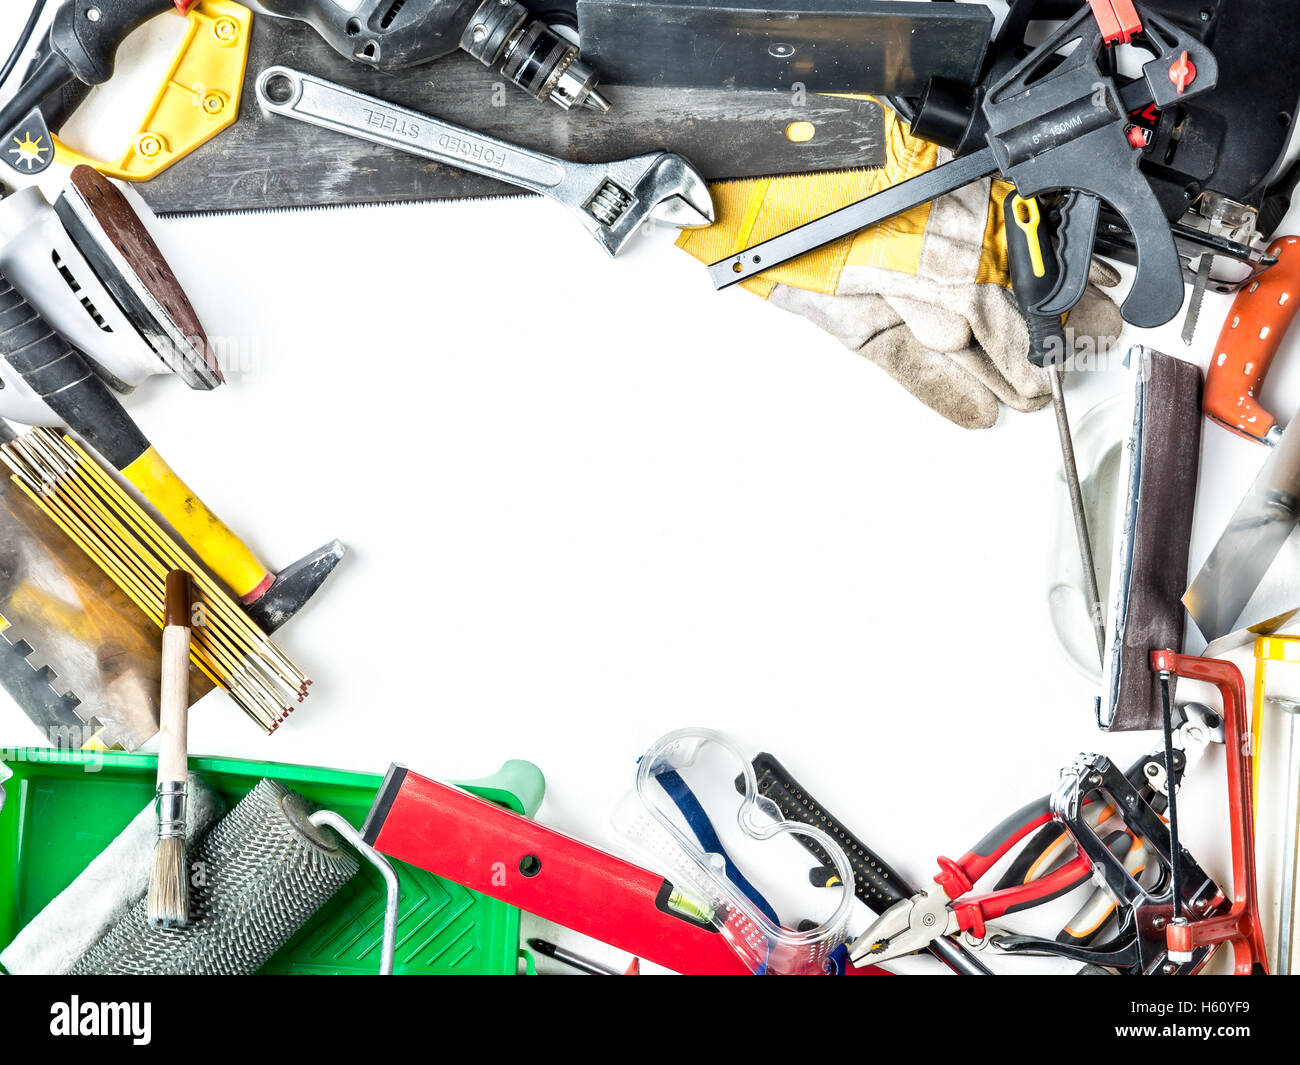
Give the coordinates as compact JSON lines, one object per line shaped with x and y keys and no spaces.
{"x":947,"y":908}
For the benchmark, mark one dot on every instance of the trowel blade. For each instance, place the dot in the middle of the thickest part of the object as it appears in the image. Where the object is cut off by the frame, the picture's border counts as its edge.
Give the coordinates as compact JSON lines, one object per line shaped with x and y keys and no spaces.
{"x":1251,"y":541}
{"x":78,"y":657}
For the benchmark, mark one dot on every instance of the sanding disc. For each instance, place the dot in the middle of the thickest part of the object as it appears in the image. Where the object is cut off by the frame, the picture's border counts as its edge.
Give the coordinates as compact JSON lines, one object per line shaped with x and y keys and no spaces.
{"x":108,"y":232}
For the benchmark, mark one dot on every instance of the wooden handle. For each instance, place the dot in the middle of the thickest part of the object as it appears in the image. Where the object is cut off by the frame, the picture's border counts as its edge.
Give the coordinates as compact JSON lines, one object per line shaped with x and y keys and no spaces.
{"x":173,"y":717}
{"x":1251,"y":336}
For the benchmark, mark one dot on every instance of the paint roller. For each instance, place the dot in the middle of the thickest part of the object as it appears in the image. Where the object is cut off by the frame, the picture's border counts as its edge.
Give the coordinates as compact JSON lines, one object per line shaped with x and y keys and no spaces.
{"x":257,"y":877}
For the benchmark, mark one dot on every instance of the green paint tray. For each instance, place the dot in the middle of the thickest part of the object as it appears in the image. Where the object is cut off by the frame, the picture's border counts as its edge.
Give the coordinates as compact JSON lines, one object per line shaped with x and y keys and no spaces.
{"x":62,"y":808}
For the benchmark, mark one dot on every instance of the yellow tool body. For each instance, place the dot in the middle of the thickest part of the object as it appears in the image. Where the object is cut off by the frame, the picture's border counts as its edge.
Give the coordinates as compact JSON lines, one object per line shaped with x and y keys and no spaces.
{"x":197,"y":99}
{"x":1267,"y":649}
{"x":207,"y":534}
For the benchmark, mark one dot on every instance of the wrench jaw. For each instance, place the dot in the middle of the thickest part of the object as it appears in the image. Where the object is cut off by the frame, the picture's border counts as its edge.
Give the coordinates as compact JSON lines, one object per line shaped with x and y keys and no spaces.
{"x":681,"y":195}
{"x":661,"y":186}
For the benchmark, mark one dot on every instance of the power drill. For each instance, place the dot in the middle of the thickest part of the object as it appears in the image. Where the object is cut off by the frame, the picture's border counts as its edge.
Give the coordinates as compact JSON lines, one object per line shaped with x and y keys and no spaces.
{"x":84,"y":36}
{"x":396,"y":34}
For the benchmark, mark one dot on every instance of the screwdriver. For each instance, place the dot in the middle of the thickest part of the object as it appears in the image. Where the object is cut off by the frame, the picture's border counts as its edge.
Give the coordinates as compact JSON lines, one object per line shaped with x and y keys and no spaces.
{"x":1035,"y":276}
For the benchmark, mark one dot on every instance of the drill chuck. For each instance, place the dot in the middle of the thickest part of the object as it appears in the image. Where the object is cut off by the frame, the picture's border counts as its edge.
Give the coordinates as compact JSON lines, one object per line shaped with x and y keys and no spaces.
{"x":532,"y":55}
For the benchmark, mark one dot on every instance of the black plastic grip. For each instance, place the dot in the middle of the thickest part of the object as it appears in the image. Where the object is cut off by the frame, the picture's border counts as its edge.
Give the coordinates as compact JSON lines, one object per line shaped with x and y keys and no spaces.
{"x":1035,"y":276}
{"x":1018,"y":872}
{"x":87,"y":33}
{"x":875,"y":882}
{"x":60,"y":375}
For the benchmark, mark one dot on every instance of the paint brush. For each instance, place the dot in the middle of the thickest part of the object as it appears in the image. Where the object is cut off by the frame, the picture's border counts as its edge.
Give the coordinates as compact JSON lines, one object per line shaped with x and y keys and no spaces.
{"x":169,"y":895}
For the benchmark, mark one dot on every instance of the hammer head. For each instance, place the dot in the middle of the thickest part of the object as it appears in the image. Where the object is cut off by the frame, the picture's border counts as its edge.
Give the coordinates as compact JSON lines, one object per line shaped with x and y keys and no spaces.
{"x":661,"y":185}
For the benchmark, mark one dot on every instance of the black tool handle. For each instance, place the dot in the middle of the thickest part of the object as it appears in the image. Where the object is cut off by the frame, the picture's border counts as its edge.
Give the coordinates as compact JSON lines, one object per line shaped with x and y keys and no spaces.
{"x":86,"y":33}
{"x":60,"y":375}
{"x":875,"y":882}
{"x":1035,"y":276}
{"x":1074,"y":222}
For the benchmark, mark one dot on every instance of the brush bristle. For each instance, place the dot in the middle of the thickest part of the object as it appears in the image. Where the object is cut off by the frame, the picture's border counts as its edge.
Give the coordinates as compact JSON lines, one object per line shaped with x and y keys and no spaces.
{"x":169,"y":886}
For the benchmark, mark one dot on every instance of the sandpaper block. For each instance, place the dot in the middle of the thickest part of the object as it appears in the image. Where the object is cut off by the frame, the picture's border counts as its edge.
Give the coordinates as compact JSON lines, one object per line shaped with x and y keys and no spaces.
{"x":108,"y":232}
{"x":1157,"y":486}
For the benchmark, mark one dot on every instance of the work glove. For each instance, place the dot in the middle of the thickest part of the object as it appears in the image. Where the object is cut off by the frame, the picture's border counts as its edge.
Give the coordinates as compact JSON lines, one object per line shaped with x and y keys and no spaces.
{"x":925,"y":295}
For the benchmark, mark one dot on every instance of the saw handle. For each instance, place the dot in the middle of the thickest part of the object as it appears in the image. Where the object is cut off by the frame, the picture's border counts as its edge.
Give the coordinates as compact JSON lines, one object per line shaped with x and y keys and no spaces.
{"x":86,"y":34}
{"x":1251,"y":336}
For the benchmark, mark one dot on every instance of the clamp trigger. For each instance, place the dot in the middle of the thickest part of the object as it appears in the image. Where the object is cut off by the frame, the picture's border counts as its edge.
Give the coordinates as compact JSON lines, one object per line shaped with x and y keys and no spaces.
{"x":1076,"y":233}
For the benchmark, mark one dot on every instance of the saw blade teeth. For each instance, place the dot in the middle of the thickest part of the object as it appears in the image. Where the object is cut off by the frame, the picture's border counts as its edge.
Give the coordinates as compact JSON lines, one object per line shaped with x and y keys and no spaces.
{"x":308,"y":208}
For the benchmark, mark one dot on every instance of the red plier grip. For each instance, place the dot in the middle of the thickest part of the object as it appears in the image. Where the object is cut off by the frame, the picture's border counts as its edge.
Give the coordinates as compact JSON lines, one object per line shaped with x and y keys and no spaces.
{"x":974,"y":912}
{"x":959,"y":877}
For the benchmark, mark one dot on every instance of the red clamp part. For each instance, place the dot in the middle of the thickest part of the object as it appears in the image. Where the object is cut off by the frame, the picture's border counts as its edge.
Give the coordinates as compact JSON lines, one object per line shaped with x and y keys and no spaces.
{"x":1182,"y":73}
{"x":185,"y":6}
{"x":1137,"y":137}
{"x":1118,"y":19}
{"x":1240,"y":926}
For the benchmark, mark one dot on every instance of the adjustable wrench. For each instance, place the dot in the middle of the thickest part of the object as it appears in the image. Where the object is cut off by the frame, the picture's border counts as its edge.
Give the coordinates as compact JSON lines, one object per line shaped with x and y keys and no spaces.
{"x":611,"y":199}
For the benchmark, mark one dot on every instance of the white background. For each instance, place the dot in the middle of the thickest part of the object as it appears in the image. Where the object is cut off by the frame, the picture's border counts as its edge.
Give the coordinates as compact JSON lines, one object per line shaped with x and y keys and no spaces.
{"x":589,"y":502}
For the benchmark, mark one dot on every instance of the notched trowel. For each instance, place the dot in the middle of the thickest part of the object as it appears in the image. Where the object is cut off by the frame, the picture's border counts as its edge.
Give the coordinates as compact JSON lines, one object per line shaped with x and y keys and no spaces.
{"x":76,"y":655}
{"x":1152,"y":534}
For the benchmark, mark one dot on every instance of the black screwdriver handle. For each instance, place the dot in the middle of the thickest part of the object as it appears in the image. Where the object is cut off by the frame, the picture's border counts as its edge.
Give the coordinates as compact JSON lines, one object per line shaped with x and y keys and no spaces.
{"x":1035,"y":276}
{"x":86,"y":33}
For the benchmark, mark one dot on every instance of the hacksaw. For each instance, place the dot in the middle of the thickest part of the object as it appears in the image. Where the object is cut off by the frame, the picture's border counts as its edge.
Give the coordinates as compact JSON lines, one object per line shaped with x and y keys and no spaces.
{"x":262,"y":163}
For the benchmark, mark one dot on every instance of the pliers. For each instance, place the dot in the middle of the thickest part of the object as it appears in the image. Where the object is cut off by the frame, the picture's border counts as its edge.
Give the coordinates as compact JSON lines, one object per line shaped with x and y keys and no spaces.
{"x":947,"y":908}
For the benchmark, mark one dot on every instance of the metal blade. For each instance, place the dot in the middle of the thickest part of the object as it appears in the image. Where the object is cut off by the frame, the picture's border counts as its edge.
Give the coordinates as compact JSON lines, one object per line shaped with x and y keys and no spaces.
{"x":1198,"y":297}
{"x":257,"y":164}
{"x":1247,"y":547}
{"x":866,"y":212}
{"x":76,"y":655}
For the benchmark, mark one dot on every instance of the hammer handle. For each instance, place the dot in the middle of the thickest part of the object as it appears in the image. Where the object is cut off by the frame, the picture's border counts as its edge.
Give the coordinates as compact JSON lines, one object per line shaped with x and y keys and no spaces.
{"x":1250,"y":338}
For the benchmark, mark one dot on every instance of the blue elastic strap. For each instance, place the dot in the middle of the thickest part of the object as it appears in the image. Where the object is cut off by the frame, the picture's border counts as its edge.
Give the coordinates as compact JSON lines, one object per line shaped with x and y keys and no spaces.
{"x":702,"y":827}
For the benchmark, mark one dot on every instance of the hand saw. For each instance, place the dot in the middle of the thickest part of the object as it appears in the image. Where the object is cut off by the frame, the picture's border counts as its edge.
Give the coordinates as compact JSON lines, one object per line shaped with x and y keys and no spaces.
{"x":258,"y":164}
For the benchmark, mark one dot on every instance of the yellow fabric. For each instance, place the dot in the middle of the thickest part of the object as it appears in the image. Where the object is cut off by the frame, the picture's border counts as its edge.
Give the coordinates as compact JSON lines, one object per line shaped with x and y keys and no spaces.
{"x":212,"y":541}
{"x":749,"y":212}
